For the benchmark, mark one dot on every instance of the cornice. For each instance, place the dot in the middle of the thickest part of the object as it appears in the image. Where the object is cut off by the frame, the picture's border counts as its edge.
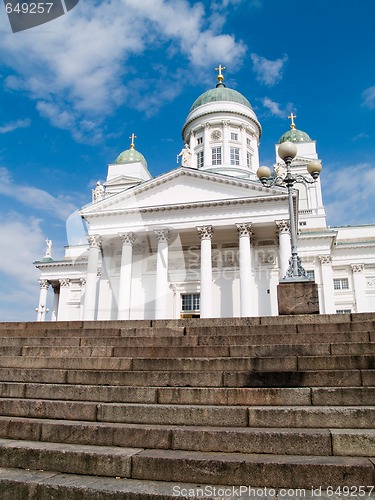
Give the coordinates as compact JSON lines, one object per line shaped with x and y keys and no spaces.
{"x":188,"y":206}
{"x":104,"y":204}
{"x":59,"y":263}
{"x":223,"y":110}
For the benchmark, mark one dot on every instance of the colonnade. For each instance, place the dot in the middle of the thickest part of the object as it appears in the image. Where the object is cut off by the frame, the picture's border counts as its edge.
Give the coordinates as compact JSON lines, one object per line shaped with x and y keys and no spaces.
{"x":89,"y":284}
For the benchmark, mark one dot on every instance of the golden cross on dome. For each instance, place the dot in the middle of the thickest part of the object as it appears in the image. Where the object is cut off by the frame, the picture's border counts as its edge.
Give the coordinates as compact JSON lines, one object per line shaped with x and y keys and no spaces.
{"x":291,"y":117}
{"x":220,"y":76}
{"x":132,"y":137}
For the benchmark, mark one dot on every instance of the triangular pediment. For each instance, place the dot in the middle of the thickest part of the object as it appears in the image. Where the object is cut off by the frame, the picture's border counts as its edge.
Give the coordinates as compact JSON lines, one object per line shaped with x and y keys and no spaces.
{"x":181,"y":187}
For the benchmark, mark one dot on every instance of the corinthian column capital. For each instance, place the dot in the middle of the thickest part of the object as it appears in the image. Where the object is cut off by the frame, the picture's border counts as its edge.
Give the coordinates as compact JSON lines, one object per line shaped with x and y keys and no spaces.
{"x":205,"y":232}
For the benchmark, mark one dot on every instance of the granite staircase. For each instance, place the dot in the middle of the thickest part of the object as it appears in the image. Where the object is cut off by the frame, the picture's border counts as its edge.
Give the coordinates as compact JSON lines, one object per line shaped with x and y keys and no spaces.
{"x":141,"y":409}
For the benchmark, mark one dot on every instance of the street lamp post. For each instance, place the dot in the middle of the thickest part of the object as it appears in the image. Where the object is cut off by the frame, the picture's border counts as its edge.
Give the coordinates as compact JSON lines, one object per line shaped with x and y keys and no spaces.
{"x":296,"y":293}
{"x":287,"y":151}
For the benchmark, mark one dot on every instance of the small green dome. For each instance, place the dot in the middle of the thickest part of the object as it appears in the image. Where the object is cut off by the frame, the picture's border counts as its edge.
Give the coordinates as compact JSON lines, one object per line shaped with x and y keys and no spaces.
{"x":294,"y":135}
{"x":131,"y":156}
{"x":220,"y":93}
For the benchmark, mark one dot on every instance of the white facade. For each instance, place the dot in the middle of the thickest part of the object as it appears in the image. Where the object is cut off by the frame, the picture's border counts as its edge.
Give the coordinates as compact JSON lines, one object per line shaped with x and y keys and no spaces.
{"x":206,"y":239}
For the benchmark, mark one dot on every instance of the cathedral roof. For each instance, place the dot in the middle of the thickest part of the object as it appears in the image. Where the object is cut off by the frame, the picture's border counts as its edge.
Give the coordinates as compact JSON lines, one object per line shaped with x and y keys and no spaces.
{"x":220,"y":93}
{"x":131,"y":155}
{"x":294,"y":135}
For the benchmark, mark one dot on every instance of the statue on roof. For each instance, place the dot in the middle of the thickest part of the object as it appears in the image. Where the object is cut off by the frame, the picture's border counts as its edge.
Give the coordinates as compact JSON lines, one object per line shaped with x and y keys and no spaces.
{"x":48,"y":249}
{"x":186,"y":156}
{"x":98,"y":192}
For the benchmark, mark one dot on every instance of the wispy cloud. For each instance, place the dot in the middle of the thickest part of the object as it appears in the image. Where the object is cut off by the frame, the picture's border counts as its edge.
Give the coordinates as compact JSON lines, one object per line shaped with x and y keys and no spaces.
{"x":276,"y":109}
{"x":15,"y":125}
{"x":273,"y":107}
{"x":368,"y":98}
{"x":349,"y":194}
{"x":267,"y":71}
{"x":81,"y":70}
{"x":35,"y":198}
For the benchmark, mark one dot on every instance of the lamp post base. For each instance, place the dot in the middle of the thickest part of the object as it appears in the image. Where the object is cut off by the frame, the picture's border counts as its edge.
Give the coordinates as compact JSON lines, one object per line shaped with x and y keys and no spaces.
{"x":298,"y":297}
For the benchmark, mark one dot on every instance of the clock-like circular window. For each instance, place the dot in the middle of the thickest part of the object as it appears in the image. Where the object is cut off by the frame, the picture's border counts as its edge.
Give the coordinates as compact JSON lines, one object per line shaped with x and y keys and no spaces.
{"x":216,"y":135}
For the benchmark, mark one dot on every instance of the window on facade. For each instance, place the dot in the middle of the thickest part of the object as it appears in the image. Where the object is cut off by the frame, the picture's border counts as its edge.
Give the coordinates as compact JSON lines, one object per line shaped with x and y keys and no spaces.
{"x":248,"y":159}
{"x":341,"y":283}
{"x":200,"y":140}
{"x":216,"y":156}
{"x":200,"y":159}
{"x":311,"y":275}
{"x":343,"y":311}
{"x":234,"y":156}
{"x":234,"y":136}
{"x":190,"y":302}
{"x":248,"y":142}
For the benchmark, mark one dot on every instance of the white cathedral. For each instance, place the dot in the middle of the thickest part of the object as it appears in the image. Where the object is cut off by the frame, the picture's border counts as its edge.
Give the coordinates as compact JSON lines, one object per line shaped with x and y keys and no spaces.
{"x":206,"y":239}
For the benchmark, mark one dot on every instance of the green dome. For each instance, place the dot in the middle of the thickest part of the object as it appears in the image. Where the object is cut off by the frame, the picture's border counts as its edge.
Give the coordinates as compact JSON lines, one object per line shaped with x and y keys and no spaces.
{"x":131,"y":156}
{"x":294,"y":135}
{"x":220,"y":93}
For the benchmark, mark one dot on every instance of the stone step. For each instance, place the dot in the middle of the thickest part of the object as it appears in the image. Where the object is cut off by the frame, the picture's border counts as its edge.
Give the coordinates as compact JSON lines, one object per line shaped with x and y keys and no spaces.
{"x":235,"y":379}
{"x":353,"y":417}
{"x":288,"y":471}
{"x":318,"y":442}
{"x":62,"y":457}
{"x":285,"y":338}
{"x":22,"y":484}
{"x":239,"y":469}
{"x":173,"y":327}
{"x":333,"y":396}
{"x":308,"y":378}
{"x":191,"y":351}
{"x":161,"y":364}
{"x":312,"y":328}
{"x":198,"y":415}
{"x":190,"y":438}
{"x":164,"y":395}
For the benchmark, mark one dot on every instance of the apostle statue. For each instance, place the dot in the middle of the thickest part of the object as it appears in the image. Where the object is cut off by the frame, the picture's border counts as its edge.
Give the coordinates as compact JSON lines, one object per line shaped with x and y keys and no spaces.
{"x":186,"y":155}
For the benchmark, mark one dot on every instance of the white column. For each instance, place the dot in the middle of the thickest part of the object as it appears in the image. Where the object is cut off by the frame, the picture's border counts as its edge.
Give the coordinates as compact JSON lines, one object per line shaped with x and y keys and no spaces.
{"x":91,"y":277}
{"x":243,"y":145}
{"x":162,"y":289}
{"x":63,"y":301}
{"x":359,"y":281}
{"x":192,"y":145}
{"x":226,"y":147}
{"x":125,"y":275}
{"x":83,"y":294}
{"x":327,"y":280}
{"x":207,"y":154}
{"x":284,"y":246}
{"x":246,"y":285}
{"x":56,"y":298}
{"x":205,"y":234}
{"x":42,"y":308}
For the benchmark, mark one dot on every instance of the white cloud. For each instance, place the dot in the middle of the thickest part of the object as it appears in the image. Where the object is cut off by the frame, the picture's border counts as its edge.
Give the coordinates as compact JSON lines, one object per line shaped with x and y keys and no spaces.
{"x":80,"y":69}
{"x":15,"y":125}
{"x":349,"y":194}
{"x":267,"y":71}
{"x":368,"y":97}
{"x":22,"y":242}
{"x":35,"y":198}
{"x":273,"y":107}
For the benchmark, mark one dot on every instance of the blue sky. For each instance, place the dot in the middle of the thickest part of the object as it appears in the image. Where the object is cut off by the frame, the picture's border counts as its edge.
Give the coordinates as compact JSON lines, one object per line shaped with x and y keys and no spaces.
{"x":72,"y":92}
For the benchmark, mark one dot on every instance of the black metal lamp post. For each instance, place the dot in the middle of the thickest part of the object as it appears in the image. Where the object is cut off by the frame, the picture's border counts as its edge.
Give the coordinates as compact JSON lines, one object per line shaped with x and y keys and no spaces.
{"x":287,"y":151}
